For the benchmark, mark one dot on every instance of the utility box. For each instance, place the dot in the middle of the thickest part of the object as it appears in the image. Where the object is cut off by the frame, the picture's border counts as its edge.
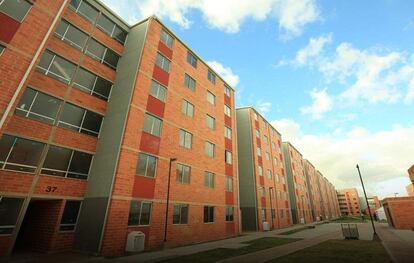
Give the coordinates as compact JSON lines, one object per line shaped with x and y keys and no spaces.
{"x":302,"y":220}
{"x":135,"y":242}
{"x":350,"y":231}
{"x":266,"y":226}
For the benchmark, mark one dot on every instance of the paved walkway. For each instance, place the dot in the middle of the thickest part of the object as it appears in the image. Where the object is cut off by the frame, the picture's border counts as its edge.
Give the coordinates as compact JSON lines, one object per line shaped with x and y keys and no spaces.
{"x":398,"y":243}
{"x":280,"y":251}
{"x":236,"y":242}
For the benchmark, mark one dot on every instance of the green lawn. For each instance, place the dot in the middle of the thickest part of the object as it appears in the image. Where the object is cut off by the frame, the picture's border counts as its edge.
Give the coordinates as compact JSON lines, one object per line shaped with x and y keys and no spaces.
{"x":289,"y":232}
{"x":339,"y":251}
{"x":351,"y":219}
{"x":222,"y":253}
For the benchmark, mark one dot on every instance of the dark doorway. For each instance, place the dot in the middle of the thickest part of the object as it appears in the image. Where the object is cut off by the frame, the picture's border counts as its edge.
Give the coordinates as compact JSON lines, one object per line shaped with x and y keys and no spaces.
{"x":39,"y":226}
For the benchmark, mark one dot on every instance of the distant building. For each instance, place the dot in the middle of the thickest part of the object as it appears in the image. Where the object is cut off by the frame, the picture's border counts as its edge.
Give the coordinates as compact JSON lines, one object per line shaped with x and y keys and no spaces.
{"x":374,"y":205}
{"x":399,"y":210}
{"x":410,"y":189}
{"x":349,"y":202}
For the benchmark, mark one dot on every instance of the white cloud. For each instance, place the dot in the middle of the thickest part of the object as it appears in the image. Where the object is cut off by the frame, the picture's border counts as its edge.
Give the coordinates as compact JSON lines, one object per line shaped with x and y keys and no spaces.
{"x":264,"y":106}
{"x":226,"y":15}
{"x":313,"y":49}
{"x":225,"y":72}
{"x":382,"y":156}
{"x":322,"y":103}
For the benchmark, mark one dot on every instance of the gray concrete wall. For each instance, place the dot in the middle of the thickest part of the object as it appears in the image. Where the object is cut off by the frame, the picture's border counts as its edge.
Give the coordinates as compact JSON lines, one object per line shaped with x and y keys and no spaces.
{"x":92,"y":217}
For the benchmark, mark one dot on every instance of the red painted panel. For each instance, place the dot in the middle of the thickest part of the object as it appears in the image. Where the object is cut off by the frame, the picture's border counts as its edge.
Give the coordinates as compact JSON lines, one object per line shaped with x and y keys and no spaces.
{"x":230,"y":227}
{"x":228,"y":144}
{"x":263,"y":201}
{"x":143,"y":187}
{"x":150,"y":143}
{"x":227,"y":100}
{"x":260,"y":160}
{"x":258,"y":142}
{"x":165,"y":50}
{"x":284,"y":187}
{"x":227,"y":120}
{"x":280,"y":157}
{"x":229,"y":198}
{"x":261,"y":180}
{"x":256,"y":124}
{"x":286,"y":204}
{"x":278,"y":142}
{"x":229,"y":169}
{"x":8,"y":28}
{"x":160,"y":75}
{"x":155,"y":106}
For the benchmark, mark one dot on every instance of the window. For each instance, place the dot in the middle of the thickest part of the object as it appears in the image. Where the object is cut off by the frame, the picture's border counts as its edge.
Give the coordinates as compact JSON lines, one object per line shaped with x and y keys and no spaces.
{"x":273,"y":145}
{"x":260,"y":170}
{"x":227,"y":132}
{"x":147,"y":165}
{"x":191,"y":59}
{"x":183,"y":173}
{"x":80,"y":120}
{"x":209,"y":179}
{"x":166,"y":38}
{"x":257,"y":133}
{"x":189,"y":82}
{"x":264,"y":216}
{"x":267,"y":156}
{"x":102,"y":54}
{"x":211,"y":76}
{"x":228,"y":157}
{"x":209,"y":149}
{"x":262,"y":191}
{"x":209,"y":214}
{"x":259,"y":151}
{"x":187,"y":108}
{"x":70,"y":215}
{"x":229,"y":184}
{"x":186,"y":139}
{"x":38,"y":106}
{"x":112,"y":29}
{"x":211,"y":98}
{"x":15,"y":9}
{"x":152,"y":125}
{"x":139,"y":213}
{"x":67,"y":163}
{"x":273,"y":211}
{"x":9,"y":212}
{"x":163,"y":62}
{"x":158,"y":91}
{"x":85,"y":9}
{"x":227,"y":90}
{"x":71,"y":35}
{"x":227,"y":111}
{"x":229,"y":213}
{"x":92,"y":84}
{"x":56,"y":67}
{"x":19,"y":154}
{"x":211,"y":122}
{"x":180,"y":215}
{"x":269,"y":174}
{"x":1,"y":49}
{"x":265,"y":139}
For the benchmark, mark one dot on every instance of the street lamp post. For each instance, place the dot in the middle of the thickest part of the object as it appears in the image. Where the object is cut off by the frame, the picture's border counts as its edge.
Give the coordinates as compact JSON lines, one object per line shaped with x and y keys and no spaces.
{"x":168,"y":201}
{"x":366,"y":199}
{"x":271,"y":207}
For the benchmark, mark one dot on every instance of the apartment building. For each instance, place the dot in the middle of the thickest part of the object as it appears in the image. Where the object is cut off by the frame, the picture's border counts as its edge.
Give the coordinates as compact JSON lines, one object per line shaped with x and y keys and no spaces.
{"x":348,"y":200}
{"x":410,"y":189}
{"x":102,"y":125}
{"x":263,"y":185}
{"x":300,"y":201}
{"x":314,"y":191}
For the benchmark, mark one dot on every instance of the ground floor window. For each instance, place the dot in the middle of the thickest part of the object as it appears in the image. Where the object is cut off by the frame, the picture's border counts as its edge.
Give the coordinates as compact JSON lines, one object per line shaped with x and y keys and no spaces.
{"x":70,"y":215}
{"x":180,"y":215}
{"x":9,"y":212}
{"x":229,"y":213}
{"x":139,"y":213}
{"x":208,"y":214}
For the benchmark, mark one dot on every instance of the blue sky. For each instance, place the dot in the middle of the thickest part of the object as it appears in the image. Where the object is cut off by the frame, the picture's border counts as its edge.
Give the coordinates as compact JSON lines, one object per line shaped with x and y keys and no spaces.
{"x":336,"y":78}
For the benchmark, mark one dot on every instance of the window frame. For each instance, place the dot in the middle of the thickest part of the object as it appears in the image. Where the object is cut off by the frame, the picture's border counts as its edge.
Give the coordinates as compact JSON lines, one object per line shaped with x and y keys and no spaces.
{"x":76,"y":220}
{"x":228,"y":157}
{"x":212,"y":121}
{"x":185,"y":104}
{"x":229,"y":216}
{"x":229,"y":184}
{"x":209,"y":179}
{"x":227,"y":90}
{"x":207,"y":149}
{"x":168,"y":37}
{"x":189,"y":82}
{"x":227,"y":110}
{"x":147,"y":161}
{"x":7,"y":229}
{"x":153,"y":125}
{"x":228,"y":132}
{"x":183,"y":137}
{"x":165,"y":62}
{"x":181,"y":170}
{"x":47,"y":71}
{"x":180,"y":207}
{"x":192,"y":59}
{"x":25,"y":15}
{"x":210,"y":215}
{"x":159,"y":87}
{"x":211,"y":76}
{"x":142,"y":202}
{"x":67,"y":40}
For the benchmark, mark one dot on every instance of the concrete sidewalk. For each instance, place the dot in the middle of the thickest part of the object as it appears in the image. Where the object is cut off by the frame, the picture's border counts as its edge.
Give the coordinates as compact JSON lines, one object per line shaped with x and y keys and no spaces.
{"x":234,"y":243}
{"x":280,"y":251}
{"x":398,"y":243}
